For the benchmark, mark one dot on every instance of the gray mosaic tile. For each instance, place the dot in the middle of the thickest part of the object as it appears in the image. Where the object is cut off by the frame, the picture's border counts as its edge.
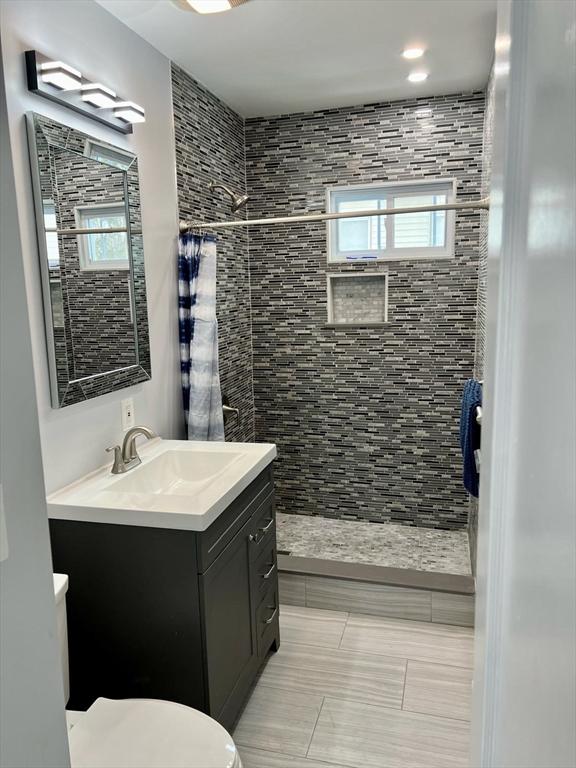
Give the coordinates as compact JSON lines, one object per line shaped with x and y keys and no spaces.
{"x":210,"y":147}
{"x":365,"y":419}
{"x":386,"y":544}
{"x":445,"y":551}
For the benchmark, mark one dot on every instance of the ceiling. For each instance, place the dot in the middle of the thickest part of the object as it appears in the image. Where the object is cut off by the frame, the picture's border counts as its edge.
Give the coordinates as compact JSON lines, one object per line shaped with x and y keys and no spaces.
{"x":272,"y":57}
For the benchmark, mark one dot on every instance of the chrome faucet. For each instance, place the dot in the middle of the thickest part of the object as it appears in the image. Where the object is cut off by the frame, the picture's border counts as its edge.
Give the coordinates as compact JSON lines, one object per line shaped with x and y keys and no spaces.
{"x":127,"y":458}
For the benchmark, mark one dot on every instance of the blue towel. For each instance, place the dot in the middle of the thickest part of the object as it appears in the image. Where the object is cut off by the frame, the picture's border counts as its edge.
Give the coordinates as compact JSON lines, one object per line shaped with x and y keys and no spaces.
{"x":470,"y":433}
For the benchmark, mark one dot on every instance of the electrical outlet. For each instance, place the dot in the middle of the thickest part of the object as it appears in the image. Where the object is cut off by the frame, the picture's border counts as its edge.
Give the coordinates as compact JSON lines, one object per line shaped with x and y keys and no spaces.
{"x":127,"y":413}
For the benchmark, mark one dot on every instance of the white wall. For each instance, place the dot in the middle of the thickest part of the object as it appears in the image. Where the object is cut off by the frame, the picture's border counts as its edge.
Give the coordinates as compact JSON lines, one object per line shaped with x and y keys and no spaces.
{"x":525,"y":673}
{"x":32,"y":723}
{"x":86,"y":36}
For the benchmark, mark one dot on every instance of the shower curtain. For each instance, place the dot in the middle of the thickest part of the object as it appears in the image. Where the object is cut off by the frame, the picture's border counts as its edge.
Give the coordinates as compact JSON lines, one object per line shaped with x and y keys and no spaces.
{"x":199,"y":337}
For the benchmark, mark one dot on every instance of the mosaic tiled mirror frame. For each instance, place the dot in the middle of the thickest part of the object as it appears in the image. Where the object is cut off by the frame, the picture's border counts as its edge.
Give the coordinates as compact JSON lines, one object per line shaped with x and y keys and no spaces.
{"x":45,"y":136}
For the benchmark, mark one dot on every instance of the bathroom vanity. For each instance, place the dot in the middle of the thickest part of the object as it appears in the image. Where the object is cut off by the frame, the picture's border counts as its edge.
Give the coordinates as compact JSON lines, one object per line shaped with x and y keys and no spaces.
{"x":167,"y":604}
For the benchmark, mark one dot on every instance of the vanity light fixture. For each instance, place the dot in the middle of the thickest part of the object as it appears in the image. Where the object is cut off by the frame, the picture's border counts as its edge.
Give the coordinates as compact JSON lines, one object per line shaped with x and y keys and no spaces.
{"x":129,"y":112}
{"x":60,"y":75}
{"x":208,"y":6}
{"x":413,"y":53}
{"x":64,"y":85}
{"x":98,"y":95}
{"x":417,"y":77}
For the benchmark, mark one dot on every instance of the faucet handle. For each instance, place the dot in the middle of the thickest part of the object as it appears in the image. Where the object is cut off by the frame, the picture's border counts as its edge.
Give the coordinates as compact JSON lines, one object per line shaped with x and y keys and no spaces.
{"x":118,"y":466}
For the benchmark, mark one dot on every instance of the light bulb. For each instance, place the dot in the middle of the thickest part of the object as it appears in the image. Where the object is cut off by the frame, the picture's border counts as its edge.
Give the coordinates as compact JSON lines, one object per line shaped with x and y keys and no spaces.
{"x":60,"y":75}
{"x":130,"y":112}
{"x":417,"y":77}
{"x":98,"y":95}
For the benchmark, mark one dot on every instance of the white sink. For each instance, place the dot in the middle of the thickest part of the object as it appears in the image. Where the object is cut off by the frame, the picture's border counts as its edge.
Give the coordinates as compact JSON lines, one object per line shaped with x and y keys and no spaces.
{"x":177,"y":472}
{"x":179,"y":484}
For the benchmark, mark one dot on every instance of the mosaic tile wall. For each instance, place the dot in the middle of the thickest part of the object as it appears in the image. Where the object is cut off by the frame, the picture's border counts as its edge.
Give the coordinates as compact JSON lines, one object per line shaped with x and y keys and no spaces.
{"x":98,"y":301}
{"x":482,"y":278}
{"x":365,"y":419}
{"x":210,"y":147}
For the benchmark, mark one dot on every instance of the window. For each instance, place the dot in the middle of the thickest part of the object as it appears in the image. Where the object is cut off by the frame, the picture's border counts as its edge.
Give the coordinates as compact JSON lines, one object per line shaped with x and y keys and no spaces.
{"x":51,"y":237}
{"x":102,"y":250}
{"x":429,"y":234}
{"x":110,"y":155}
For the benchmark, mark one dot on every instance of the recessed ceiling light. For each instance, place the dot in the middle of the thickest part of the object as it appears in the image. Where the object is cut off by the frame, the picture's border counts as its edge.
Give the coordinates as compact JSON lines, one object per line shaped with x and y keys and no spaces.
{"x":208,"y":6}
{"x":130,"y":112}
{"x":98,"y":95}
{"x":413,"y":53}
{"x":417,"y":77}
{"x":60,"y":75}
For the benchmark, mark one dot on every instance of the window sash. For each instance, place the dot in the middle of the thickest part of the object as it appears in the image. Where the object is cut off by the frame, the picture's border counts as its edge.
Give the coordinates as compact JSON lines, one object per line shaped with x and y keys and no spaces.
{"x":95,"y":250}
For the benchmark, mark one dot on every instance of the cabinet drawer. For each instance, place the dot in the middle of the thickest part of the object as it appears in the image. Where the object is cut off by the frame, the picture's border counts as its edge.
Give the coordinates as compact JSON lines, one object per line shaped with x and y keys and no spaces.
{"x":264,"y":570}
{"x":212,"y":542}
{"x":263,"y":529}
{"x":267,"y":619}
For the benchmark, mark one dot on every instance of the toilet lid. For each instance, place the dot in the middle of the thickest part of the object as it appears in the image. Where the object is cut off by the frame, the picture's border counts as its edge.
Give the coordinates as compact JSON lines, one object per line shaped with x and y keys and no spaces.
{"x":148,"y":733}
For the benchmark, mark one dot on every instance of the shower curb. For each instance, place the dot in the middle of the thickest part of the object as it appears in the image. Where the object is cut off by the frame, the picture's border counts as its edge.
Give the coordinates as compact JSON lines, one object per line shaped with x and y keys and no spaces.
{"x":378,"y":574}
{"x":398,"y":593}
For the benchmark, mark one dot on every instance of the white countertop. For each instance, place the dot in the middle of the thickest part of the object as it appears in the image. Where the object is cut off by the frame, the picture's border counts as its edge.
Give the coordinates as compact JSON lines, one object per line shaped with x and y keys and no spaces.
{"x":179,"y":484}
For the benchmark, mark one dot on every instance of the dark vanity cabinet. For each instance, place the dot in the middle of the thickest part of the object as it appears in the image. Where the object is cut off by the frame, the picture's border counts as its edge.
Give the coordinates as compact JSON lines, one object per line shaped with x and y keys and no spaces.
{"x":172,"y":614}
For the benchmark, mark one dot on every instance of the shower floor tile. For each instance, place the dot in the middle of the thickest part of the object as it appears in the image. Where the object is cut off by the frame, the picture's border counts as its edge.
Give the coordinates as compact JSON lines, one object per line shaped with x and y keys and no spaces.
{"x":388,"y":544}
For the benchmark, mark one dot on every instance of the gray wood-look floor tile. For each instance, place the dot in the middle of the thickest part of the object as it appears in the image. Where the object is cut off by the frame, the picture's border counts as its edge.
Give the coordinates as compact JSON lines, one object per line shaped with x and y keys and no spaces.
{"x":278,"y":720}
{"x":437,"y":689}
{"x":453,"y":609}
{"x":292,"y":588}
{"x":258,"y":758}
{"x":363,"y":597}
{"x":364,"y":736}
{"x":341,"y":674}
{"x":410,"y":640}
{"x":311,"y":626}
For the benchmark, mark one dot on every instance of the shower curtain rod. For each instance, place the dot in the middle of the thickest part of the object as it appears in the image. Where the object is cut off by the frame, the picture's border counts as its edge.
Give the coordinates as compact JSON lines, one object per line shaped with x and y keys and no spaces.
{"x":483,"y":204}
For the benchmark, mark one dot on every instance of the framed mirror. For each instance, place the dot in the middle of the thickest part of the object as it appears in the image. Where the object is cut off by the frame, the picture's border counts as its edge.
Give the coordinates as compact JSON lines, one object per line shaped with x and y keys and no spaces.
{"x":87,"y":206}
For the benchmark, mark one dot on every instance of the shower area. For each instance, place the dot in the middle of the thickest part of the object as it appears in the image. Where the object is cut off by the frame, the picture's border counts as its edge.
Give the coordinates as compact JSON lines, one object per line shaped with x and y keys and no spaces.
{"x":353,"y":367}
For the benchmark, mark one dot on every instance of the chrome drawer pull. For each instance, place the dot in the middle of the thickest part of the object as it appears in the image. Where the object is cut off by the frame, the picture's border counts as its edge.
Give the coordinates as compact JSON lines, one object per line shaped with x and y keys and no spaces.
{"x":267,"y":527}
{"x":270,"y":572}
{"x":271,"y":619}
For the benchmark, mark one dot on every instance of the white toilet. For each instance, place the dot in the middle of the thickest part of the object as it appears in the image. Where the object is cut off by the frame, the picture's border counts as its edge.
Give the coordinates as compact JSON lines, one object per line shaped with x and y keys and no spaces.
{"x":139,"y":733}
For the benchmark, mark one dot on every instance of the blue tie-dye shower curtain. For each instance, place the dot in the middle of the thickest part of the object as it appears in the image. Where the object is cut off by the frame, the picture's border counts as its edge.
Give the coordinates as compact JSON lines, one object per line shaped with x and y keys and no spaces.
{"x":199,"y":337}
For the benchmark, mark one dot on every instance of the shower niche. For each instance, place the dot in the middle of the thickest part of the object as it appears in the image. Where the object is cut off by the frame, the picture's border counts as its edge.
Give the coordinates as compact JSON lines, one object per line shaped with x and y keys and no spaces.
{"x":357,"y":298}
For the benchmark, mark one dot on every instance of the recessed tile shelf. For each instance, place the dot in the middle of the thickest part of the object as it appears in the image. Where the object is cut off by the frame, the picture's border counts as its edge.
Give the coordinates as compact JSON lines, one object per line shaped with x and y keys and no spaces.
{"x":357,"y":298}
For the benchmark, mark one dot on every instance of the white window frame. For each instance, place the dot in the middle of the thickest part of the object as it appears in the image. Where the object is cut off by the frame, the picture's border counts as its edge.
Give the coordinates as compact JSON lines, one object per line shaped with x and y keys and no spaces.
{"x":86,"y":264}
{"x":391,"y":189}
{"x":333,"y":276}
{"x":114,"y":153}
